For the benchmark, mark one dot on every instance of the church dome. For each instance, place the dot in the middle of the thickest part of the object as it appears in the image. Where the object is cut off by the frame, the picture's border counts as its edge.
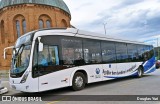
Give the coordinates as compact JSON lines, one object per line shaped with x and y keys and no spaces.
{"x":56,"y":3}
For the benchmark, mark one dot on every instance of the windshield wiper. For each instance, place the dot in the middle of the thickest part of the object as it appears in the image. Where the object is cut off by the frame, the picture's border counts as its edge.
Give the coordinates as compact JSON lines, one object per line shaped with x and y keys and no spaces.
{"x":21,"y":47}
{"x":14,"y":51}
{"x":14,"y":58}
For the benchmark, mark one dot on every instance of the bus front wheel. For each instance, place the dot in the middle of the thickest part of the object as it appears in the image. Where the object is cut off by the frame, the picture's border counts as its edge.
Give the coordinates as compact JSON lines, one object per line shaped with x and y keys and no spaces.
{"x":140,"y":72}
{"x":79,"y":81}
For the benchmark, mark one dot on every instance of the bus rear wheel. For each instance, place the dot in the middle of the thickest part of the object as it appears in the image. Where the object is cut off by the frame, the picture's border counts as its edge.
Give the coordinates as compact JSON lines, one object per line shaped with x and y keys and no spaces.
{"x":140,"y":72}
{"x":79,"y":81}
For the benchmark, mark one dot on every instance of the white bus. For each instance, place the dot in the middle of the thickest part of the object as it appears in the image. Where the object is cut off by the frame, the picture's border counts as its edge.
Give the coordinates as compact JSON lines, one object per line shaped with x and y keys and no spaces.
{"x":54,"y":58}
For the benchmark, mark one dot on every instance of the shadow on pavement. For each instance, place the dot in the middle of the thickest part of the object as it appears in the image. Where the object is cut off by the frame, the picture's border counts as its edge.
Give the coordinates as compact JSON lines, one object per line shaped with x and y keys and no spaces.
{"x":66,"y":90}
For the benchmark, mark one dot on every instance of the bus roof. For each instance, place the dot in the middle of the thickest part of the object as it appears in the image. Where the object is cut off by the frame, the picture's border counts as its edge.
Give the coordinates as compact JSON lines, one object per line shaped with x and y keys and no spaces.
{"x":83,"y":34}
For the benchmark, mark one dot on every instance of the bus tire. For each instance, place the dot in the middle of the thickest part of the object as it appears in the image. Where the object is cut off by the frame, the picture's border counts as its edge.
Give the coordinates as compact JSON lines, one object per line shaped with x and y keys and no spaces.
{"x":79,"y":81}
{"x":140,"y":72}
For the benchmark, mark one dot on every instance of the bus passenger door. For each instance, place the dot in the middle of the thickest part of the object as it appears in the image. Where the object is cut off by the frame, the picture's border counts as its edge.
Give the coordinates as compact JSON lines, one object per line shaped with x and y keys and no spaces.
{"x":51,"y":75}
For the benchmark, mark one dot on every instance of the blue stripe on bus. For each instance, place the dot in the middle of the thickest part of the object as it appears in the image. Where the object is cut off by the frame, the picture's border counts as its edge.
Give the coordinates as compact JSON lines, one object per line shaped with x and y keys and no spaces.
{"x":152,"y":69}
{"x":149,"y":64}
{"x":134,"y":74}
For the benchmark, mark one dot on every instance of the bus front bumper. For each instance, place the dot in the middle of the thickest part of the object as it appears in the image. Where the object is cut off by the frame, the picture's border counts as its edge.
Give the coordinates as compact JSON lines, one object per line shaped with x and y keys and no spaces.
{"x":22,"y":87}
{"x":18,"y":87}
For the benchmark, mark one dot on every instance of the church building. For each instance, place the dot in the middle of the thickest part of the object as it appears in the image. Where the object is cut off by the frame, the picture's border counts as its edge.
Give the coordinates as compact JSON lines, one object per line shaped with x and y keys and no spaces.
{"x":18,"y":17}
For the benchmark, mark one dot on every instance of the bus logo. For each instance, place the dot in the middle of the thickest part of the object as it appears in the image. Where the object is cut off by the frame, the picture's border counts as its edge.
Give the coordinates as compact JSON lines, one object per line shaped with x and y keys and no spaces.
{"x":97,"y":71}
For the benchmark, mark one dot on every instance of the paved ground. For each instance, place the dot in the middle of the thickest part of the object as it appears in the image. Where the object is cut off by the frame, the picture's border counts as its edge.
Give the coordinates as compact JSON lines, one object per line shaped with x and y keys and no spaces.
{"x":148,"y":85}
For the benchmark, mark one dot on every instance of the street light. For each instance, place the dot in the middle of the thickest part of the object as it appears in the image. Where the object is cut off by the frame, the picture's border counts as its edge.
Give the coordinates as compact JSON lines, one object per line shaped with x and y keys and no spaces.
{"x":157,"y":50}
{"x":105,"y":27}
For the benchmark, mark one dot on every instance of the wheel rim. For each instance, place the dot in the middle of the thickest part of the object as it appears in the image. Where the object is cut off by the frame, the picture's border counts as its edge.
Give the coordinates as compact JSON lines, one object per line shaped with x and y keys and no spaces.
{"x":79,"y":81}
{"x":139,"y":72}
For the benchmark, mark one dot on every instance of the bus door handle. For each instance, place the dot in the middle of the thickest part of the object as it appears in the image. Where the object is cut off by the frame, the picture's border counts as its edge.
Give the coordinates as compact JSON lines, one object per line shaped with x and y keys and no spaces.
{"x":45,"y":83}
{"x":65,"y":80}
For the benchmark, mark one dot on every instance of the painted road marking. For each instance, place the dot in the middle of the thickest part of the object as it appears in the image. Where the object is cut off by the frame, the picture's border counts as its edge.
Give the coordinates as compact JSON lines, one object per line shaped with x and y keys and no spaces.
{"x":125,"y":84}
{"x":53,"y":102}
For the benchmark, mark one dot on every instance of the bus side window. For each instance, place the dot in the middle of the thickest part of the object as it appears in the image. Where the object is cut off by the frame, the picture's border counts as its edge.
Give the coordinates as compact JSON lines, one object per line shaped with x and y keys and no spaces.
{"x":42,"y":57}
{"x":92,"y":52}
{"x":53,"y":58}
{"x":141,"y":52}
{"x":67,"y":51}
{"x":78,"y":59}
{"x":108,"y":52}
{"x":72,"y":52}
{"x":132,"y":52}
{"x":121,"y":52}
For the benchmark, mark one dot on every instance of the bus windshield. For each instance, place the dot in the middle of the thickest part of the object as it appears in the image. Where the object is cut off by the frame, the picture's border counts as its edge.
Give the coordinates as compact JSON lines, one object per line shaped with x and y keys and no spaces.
{"x":21,"y":56}
{"x":20,"y":60}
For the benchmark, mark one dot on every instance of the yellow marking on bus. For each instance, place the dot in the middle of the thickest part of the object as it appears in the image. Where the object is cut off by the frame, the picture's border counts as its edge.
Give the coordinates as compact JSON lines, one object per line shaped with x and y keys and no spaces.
{"x":53,"y":102}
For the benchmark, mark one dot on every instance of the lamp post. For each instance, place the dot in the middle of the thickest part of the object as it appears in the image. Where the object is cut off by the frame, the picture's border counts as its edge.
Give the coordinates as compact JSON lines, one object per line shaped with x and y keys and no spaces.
{"x":104,"y":24}
{"x":157,"y":42}
{"x":157,"y":50}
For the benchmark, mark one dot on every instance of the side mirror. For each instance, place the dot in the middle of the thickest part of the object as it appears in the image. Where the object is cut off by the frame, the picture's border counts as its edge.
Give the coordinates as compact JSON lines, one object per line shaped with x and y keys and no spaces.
{"x":40,"y":45}
{"x":4,"y":55}
{"x":4,"y":51}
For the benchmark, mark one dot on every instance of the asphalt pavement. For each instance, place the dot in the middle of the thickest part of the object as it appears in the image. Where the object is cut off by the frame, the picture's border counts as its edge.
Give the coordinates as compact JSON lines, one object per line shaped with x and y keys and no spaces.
{"x":147,"y":85}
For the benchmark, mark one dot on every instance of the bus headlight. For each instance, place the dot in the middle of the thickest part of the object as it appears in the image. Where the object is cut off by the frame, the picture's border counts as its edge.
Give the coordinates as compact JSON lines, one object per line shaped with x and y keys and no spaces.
{"x":24,"y":77}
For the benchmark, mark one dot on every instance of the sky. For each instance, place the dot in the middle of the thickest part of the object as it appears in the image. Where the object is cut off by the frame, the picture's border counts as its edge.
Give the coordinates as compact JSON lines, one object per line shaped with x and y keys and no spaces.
{"x":128,"y":19}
